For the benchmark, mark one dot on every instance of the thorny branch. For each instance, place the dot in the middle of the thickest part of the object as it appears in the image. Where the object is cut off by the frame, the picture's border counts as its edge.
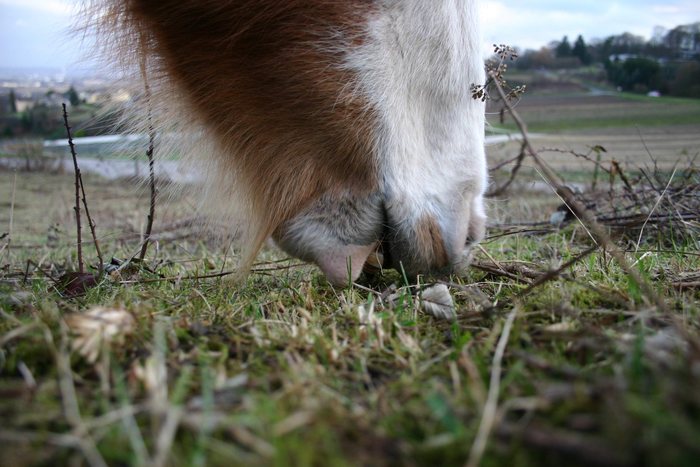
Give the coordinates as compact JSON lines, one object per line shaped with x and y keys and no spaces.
{"x":76,"y":208}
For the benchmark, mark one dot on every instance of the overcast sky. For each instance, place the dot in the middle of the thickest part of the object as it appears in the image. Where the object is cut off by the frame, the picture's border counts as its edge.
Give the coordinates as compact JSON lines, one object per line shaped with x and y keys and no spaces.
{"x":33,"y":32}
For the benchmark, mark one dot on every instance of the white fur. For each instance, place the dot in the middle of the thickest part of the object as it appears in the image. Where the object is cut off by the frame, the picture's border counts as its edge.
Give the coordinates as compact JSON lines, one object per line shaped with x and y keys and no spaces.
{"x":416,"y":69}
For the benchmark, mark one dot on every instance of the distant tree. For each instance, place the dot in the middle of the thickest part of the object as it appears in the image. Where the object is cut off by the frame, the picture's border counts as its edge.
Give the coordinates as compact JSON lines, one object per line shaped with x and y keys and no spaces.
{"x":543,"y":58}
{"x":524,"y":60}
{"x":42,"y":120}
{"x":636,"y":74}
{"x":687,"y":80}
{"x":13,"y":101}
{"x":580,"y":50}
{"x":625,"y":43}
{"x":73,"y":97}
{"x":563,"y":48}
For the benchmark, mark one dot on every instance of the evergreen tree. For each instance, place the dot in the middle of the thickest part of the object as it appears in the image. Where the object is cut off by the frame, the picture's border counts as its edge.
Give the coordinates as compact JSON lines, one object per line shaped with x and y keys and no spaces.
{"x":13,"y":101}
{"x":580,"y":50}
{"x":564,"y":48}
{"x":73,"y":97}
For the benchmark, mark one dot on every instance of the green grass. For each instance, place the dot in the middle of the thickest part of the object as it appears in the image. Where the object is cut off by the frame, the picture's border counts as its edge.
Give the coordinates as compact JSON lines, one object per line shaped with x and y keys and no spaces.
{"x":681,"y":101}
{"x":561,"y":104}
{"x":578,"y":124}
{"x":281,"y":370}
{"x":575,"y":112}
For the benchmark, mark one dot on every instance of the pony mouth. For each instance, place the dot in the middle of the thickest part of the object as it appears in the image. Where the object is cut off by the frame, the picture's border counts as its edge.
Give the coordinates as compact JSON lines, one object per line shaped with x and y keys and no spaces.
{"x":375,"y":262}
{"x":379,"y":259}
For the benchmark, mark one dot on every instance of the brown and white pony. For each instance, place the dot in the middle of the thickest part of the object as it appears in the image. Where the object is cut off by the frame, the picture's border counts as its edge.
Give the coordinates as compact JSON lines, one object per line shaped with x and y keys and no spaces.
{"x":337,"y":127}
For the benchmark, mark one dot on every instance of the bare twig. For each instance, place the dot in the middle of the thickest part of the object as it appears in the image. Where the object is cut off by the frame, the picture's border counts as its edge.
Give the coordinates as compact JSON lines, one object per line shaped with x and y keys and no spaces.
{"x":12,"y":215}
{"x":551,"y":275}
{"x":151,"y":163}
{"x":213,"y":275}
{"x":579,"y":210}
{"x":513,"y":173}
{"x":12,"y":207}
{"x":488,"y":417}
{"x":500,"y":271}
{"x":91,"y":223}
{"x":658,"y":200}
{"x":587,"y":157}
{"x":76,"y":208}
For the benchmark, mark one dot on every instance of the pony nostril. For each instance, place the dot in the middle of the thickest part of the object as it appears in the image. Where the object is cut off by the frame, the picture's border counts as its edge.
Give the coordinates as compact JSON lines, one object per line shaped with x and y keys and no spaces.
{"x":415,"y":248}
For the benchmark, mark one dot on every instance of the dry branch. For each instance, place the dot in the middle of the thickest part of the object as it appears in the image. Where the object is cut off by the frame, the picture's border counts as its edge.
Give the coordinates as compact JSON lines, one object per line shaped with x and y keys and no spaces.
{"x":79,"y":181}
{"x":76,"y":207}
{"x":577,"y":208}
{"x":551,"y":275}
{"x":151,"y":164}
{"x":513,"y":173}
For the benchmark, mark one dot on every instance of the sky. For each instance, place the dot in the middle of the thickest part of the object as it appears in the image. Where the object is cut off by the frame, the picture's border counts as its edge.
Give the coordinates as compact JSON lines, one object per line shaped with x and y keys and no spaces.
{"x":33,"y":33}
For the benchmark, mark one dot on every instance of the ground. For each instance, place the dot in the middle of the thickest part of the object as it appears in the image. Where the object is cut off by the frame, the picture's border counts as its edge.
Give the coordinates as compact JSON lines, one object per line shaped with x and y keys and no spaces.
{"x":166,"y":363}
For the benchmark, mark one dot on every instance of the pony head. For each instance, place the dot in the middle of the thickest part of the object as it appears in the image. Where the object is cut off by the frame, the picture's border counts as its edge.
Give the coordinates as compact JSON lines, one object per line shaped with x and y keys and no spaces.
{"x":340,"y":129}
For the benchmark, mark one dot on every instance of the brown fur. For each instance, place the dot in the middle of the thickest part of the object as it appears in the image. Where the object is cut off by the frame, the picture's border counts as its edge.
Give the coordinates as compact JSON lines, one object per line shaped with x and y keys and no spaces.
{"x":265,"y":78}
{"x":430,"y":244}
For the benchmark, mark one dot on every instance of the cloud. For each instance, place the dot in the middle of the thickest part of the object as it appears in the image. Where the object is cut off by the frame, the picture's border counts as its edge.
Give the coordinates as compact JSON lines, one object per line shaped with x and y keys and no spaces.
{"x":535,"y":23}
{"x":57,"y":7}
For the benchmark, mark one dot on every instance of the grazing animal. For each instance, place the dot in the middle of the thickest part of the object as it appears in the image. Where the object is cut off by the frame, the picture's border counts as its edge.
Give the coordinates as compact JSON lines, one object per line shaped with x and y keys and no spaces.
{"x":338,"y":128}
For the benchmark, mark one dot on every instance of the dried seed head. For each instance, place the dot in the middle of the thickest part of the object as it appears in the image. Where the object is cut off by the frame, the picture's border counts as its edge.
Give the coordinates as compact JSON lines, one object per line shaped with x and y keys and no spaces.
{"x":98,"y":327}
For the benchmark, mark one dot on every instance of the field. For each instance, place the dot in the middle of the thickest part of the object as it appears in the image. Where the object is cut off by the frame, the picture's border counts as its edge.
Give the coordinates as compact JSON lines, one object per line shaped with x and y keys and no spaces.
{"x":556,"y":357}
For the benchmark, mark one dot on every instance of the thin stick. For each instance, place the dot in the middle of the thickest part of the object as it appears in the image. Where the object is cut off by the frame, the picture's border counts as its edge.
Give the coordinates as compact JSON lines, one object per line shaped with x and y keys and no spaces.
{"x":92,"y":225}
{"x":152,"y":184}
{"x":91,"y":222}
{"x":658,"y":200}
{"x":211,"y":276}
{"x":81,"y":266}
{"x":551,"y":275}
{"x":12,"y":208}
{"x":151,"y":163}
{"x":579,"y":210}
{"x":12,"y":215}
{"x":488,"y":417}
{"x":513,"y":173}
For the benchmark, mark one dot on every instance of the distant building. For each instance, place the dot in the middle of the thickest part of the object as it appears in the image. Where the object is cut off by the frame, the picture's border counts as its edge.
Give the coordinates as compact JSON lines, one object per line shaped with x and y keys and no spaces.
{"x":106,"y":97}
{"x":24,"y":104}
{"x":622,"y":57}
{"x":685,"y":41}
{"x":5,"y":106}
